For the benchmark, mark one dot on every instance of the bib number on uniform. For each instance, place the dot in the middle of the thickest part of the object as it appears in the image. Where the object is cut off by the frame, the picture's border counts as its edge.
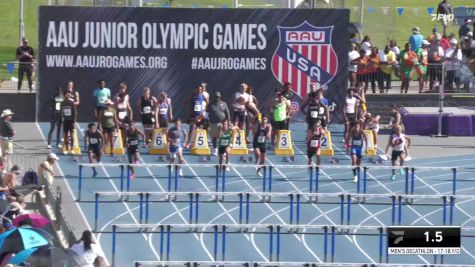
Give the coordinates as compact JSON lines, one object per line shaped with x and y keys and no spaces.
{"x":224,"y":142}
{"x":58,"y":106}
{"x":93,"y":141}
{"x":197,"y":108}
{"x":314,"y":114}
{"x":261,"y":139}
{"x":67,"y":112}
{"x":108,"y":114}
{"x":357,"y":143}
{"x":122,"y":115}
{"x":314,"y":143}
{"x":133,"y":142}
{"x":147,"y":110}
{"x":163,"y":111}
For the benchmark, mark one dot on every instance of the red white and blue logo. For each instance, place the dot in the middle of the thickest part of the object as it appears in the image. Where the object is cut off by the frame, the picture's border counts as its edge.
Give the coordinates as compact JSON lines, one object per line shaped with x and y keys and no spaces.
{"x":304,"y":55}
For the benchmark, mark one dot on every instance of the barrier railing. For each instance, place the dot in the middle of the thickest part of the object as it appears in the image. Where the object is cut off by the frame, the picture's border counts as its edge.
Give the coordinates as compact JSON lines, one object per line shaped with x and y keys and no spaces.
{"x":294,"y":200}
{"x":313,"y":175}
{"x":329,"y":233}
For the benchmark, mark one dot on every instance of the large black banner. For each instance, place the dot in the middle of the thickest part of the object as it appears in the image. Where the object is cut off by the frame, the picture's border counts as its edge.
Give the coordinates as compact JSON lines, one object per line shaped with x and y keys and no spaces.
{"x":174,"y":50}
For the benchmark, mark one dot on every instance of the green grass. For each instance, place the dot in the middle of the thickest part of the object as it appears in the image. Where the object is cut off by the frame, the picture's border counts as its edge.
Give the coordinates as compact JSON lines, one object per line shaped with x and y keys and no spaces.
{"x":379,"y":26}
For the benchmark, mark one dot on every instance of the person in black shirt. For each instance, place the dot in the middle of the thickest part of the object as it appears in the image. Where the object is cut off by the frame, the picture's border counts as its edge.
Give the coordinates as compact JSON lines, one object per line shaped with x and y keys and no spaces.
{"x":444,"y":9}
{"x":133,"y":151}
{"x":68,"y":110}
{"x":218,"y":111}
{"x":56,"y":102}
{"x":25,"y":56}
{"x":94,"y":141}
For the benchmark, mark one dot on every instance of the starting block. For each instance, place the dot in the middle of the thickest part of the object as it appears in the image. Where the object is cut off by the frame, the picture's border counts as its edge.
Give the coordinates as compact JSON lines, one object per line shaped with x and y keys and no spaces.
{"x":75,"y":149}
{"x":159,"y":142}
{"x":200,"y":143}
{"x":326,"y":145}
{"x":238,"y":143}
{"x":118,"y":148}
{"x":284,"y":144}
{"x":370,"y":149}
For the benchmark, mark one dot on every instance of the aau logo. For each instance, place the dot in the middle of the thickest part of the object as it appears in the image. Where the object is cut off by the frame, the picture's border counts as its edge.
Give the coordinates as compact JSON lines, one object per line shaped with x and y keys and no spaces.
{"x":304,"y":55}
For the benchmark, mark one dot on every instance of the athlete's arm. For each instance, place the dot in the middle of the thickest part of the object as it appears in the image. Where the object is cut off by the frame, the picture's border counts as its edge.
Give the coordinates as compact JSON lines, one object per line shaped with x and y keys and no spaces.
{"x":86,"y":139}
{"x":408,"y":141}
{"x":77,"y":100}
{"x":269,"y":132}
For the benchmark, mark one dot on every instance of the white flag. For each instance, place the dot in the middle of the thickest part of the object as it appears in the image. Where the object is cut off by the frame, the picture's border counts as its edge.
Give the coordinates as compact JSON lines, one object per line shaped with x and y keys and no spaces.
{"x":416,"y":11}
{"x":385,"y":10}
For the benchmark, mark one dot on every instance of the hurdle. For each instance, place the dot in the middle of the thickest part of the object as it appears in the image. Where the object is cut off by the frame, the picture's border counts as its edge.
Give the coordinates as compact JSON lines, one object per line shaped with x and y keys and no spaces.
{"x":294,"y":200}
{"x":274,"y":232}
{"x":313,"y":174}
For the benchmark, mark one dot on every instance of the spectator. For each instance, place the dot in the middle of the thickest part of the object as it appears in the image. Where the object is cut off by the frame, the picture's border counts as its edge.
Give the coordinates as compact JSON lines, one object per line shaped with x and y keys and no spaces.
{"x":416,"y":39}
{"x":362,"y":70}
{"x":86,"y":250}
{"x":453,"y":58}
{"x":366,"y":45}
{"x":353,"y":55}
{"x":374,"y":72}
{"x":421,"y":68}
{"x":101,"y":95}
{"x":409,"y":59}
{"x":444,"y":9}
{"x":435,"y":57}
{"x":434,"y":36}
{"x":55,"y":121}
{"x":218,"y":112}
{"x":388,"y":60}
{"x":395,"y":48}
{"x":465,"y":28}
{"x":6,"y":135}
{"x":46,"y":171}
{"x":9,"y":181}
{"x":2,"y":167}
{"x":444,"y":41}
{"x":25,"y":55}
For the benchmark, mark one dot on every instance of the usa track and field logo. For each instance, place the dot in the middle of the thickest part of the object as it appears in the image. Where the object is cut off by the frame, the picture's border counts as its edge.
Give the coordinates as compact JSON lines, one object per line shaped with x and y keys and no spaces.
{"x":304,"y":55}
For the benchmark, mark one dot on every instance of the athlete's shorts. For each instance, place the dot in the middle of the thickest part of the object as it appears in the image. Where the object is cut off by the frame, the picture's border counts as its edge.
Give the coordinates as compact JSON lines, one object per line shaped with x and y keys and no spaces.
{"x":313,"y":152}
{"x":131,"y":152}
{"x":312,"y":123}
{"x":260,"y":146}
{"x":147,"y":120}
{"x":240,"y":116}
{"x":163,"y":121}
{"x":109,"y":130}
{"x":55,"y":117}
{"x":99,"y":109}
{"x":280,"y":125}
{"x":222,"y":149}
{"x":396,"y":154}
{"x":68,"y":126}
{"x":351,"y":117}
{"x":94,"y":149}
{"x":174,"y":150}
{"x":357,"y":151}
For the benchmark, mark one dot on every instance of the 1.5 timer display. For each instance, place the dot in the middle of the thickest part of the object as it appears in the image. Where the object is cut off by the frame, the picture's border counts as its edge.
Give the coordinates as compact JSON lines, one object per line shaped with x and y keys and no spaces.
{"x":424,"y":240}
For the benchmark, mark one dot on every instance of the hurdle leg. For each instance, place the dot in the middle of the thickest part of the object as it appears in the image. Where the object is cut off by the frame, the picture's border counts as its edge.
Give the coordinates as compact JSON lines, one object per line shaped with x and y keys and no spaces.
{"x":291,"y":203}
{"x":96,"y":210}
{"x":240,"y":208}
{"x":176,"y":178}
{"x":141,"y":202}
{"x":365,"y":176}
{"x":452,"y":206}
{"x":147,"y":206}
{"x":358,"y":171}
{"x":114,"y":228}
{"x":197,"y":202}
{"x":381,"y":244}
{"x":310,"y":177}
{"x":223,"y":243}
{"x":223,"y":183}
{"x":248,"y":207}
{"x":216,"y":184}
{"x":298,"y":210}
{"x":333,"y":243}
{"x":325,"y":243}
{"x":271,"y":241}
{"x":169,"y":184}
{"x":348,"y":211}
{"x":270,"y":180}
{"x":278,"y":243}
{"x":215,"y":247}
{"x":444,"y":210}
{"x":168,"y":242}
{"x":162,"y":234}
{"x":454,"y":180}
{"x":80,"y":183}
{"x":399,"y":209}
{"x":393,"y":209}
{"x":342,"y":209}
{"x":190,"y":207}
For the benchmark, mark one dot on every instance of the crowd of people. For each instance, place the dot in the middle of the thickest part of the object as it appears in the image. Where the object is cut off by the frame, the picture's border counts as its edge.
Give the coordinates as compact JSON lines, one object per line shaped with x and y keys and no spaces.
{"x":421,"y":58}
{"x":115,"y":114}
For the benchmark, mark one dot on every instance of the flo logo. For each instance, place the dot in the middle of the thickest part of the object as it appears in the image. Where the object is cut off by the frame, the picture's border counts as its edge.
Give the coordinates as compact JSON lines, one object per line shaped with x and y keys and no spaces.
{"x":442,"y":17}
{"x":304,"y":55}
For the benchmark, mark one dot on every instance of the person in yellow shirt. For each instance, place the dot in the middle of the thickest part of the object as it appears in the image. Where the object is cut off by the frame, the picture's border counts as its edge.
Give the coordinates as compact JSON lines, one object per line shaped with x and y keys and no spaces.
{"x":388,"y":59}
